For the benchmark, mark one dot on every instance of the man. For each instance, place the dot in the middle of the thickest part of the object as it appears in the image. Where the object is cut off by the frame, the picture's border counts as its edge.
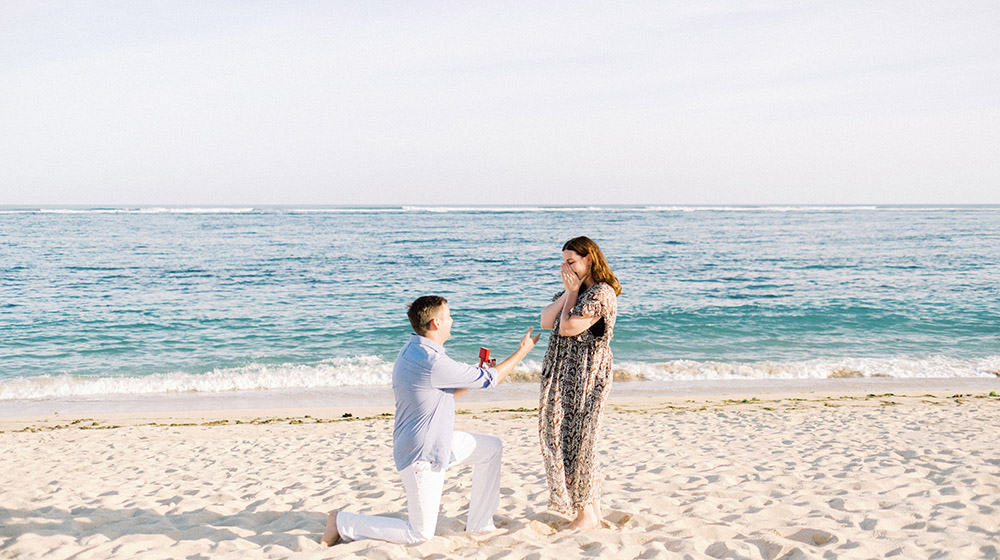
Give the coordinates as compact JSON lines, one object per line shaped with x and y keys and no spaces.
{"x":426,"y":383}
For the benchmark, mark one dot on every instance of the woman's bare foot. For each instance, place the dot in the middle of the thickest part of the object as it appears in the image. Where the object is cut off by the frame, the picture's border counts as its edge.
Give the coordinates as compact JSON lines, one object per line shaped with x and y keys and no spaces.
{"x":331,"y":535}
{"x":586,"y":518}
{"x":597,"y":511}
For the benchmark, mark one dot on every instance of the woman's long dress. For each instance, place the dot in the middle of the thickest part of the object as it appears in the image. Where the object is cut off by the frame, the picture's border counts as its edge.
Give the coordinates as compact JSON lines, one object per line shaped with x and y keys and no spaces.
{"x":576,"y":380}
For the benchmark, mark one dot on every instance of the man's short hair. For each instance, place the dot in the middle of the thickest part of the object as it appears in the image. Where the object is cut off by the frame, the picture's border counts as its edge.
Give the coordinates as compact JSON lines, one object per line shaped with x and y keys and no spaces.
{"x":422,"y":310}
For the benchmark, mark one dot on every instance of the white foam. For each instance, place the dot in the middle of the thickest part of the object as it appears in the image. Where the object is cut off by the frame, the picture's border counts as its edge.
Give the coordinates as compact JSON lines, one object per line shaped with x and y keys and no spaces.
{"x":342,"y":210}
{"x":756,"y":208}
{"x":140,"y":210}
{"x":898,"y":367}
{"x":467,"y":209}
{"x":211,"y":210}
{"x":373,"y":371}
{"x":337,"y":372}
{"x":507,"y":209}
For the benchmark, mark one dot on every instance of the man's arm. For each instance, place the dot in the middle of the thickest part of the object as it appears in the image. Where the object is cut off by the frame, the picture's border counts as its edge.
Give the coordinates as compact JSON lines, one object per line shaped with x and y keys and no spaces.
{"x":505,"y":367}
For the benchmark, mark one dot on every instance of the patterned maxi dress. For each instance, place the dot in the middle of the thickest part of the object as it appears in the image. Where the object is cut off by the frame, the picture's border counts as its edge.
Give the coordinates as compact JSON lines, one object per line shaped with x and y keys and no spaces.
{"x":576,"y":380}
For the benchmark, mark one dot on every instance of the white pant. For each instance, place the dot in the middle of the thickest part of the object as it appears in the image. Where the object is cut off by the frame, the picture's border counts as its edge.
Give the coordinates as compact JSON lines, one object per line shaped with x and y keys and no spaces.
{"x":424,"y":483}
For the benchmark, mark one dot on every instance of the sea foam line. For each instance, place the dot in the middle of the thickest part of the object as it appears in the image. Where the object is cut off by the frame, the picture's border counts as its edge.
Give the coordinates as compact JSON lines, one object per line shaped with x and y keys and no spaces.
{"x":825,"y":368}
{"x":474,"y":209}
{"x":141,"y":210}
{"x":336,"y":372}
{"x":372,"y":370}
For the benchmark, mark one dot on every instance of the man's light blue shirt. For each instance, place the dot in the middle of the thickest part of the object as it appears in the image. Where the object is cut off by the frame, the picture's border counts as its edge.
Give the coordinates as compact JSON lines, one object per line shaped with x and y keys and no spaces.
{"x":424,"y":380}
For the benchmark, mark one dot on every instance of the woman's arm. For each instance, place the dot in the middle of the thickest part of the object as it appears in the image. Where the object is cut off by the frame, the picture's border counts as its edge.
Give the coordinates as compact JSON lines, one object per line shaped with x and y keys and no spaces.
{"x":552,"y":311}
{"x":572,"y":325}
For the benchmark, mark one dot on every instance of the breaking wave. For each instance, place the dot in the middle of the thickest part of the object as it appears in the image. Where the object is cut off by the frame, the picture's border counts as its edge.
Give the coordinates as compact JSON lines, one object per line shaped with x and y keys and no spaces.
{"x":373,"y":371}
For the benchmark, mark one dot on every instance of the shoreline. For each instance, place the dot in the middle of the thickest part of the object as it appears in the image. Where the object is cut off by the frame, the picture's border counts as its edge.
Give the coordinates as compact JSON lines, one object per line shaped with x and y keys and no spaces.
{"x":353,"y":403}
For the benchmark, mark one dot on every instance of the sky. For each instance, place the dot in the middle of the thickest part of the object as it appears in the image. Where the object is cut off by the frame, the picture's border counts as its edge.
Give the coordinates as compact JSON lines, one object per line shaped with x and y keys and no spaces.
{"x":499,"y":103}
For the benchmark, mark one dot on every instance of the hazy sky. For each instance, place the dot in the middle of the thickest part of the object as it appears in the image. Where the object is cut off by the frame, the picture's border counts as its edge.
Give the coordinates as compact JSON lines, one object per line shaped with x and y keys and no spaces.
{"x":696,"y":102}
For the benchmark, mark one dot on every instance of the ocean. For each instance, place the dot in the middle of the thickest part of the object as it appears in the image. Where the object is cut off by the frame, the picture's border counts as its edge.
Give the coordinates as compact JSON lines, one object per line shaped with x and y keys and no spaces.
{"x":99,"y":302}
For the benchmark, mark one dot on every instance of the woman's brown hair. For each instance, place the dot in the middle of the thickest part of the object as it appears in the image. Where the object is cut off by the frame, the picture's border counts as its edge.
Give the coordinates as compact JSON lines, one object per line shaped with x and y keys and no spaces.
{"x":599,"y":269}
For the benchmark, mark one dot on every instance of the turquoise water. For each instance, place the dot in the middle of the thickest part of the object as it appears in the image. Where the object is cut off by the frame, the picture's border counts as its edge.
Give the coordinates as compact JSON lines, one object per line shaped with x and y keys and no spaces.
{"x":147,"y":300}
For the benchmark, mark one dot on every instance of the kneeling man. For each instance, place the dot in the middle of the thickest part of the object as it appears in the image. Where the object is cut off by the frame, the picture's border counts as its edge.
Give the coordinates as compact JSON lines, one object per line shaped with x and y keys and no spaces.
{"x":426,"y":383}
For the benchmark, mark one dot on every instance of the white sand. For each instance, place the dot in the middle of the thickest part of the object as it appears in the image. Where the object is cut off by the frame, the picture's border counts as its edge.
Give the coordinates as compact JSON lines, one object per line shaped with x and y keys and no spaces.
{"x":855,"y":477}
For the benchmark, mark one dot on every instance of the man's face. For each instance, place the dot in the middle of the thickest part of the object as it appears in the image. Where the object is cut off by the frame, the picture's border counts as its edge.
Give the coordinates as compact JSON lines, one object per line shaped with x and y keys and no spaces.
{"x":444,"y":321}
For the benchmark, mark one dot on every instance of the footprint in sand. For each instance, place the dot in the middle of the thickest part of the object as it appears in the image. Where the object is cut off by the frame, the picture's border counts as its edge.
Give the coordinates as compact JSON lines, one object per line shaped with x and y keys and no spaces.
{"x":541,"y":528}
{"x":812,"y":537}
{"x":616,"y":520}
{"x":547,"y":523}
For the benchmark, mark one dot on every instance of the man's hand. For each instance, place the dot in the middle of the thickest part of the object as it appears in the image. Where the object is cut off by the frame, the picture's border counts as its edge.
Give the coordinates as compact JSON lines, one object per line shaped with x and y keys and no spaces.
{"x":529,"y":341}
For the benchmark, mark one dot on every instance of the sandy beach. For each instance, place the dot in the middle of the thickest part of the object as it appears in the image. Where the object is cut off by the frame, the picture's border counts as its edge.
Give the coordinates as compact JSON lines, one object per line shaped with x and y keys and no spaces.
{"x":834,"y":474}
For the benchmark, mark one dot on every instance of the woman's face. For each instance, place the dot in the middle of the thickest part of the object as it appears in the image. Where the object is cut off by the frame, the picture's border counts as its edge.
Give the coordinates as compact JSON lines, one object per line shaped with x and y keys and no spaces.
{"x":579,"y":264}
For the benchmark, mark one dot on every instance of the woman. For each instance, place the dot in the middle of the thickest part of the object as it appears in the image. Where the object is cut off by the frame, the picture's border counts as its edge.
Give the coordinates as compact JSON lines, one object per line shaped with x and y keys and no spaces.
{"x":576,"y":379}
